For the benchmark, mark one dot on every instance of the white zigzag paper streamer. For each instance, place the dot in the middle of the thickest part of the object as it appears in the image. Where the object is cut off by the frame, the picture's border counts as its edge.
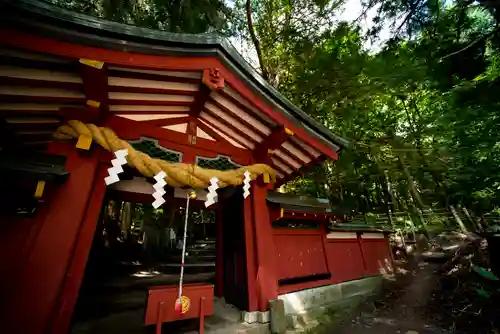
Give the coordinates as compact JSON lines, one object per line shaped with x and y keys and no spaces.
{"x":117,"y":167}
{"x":246,"y":184}
{"x":159,"y":191}
{"x":212,"y":192}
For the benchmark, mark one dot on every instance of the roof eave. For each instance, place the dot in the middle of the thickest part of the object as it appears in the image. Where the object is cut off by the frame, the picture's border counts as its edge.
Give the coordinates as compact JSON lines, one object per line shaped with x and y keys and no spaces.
{"x":132,"y":39}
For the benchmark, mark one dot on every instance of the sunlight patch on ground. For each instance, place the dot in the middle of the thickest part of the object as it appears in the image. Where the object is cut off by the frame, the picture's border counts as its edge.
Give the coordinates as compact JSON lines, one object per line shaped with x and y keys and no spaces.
{"x":146,"y":274}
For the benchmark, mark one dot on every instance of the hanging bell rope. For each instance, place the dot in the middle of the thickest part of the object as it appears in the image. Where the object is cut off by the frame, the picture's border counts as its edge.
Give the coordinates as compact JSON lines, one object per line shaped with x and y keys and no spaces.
{"x":178,"y":174}
{"x":183,"y":256}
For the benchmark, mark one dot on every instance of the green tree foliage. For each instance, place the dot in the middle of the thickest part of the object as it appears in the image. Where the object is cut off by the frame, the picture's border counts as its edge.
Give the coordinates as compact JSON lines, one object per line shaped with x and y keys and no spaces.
{"x":186,"y":16}
{"x":421,"y":113}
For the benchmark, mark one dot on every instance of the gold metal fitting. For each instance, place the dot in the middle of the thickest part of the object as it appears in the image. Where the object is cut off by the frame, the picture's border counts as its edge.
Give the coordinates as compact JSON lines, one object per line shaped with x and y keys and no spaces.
{"x":192,"y":194}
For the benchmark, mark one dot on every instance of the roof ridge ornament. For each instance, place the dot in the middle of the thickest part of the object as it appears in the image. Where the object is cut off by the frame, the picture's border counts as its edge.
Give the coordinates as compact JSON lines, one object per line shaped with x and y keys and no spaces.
{"x":213,"y":79}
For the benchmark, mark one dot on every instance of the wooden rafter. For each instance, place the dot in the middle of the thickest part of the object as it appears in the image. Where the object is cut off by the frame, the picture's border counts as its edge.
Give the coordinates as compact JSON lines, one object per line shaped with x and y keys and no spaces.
{"x":113,"y":72}
{"x":147,"y":90}
{"x":231,"y":126}
{"x":226,"y":128}
{"x":303,"y":170}
{"x":150,"y":112}
{"x":240,"y":119}
{"x":286,"y":163}
{"x":24,"y":82}
{"x":40,"y":99}
{"x":246,"y":109}
{"x":277,"y":137}
{"x":141,"y":102}
{"x":256,"y":117}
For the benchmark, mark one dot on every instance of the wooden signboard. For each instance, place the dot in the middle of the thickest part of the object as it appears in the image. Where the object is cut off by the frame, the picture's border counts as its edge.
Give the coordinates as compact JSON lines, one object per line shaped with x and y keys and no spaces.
{"x":197,"y":301}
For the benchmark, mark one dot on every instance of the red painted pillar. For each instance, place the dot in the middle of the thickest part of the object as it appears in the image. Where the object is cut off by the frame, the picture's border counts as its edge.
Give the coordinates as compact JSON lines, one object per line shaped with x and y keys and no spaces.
{"x":250,"y":253}
{"x":43,"y":273}
{"x":63,"y":311}
{"x":219,"y":260}
{"x":267,"y":279}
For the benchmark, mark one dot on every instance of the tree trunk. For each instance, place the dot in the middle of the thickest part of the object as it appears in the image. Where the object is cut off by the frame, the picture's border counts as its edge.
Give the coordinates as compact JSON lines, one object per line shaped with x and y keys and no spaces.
{"x":255,"y":40}
{"x":411,"y":183}
{"x":474,"y":222}
{"x":457,"y":218}
{"x":390,"y":205}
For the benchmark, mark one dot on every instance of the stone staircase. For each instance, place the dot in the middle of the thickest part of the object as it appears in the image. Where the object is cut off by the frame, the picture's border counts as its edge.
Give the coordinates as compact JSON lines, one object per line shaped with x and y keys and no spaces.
{"x":200,"y":258}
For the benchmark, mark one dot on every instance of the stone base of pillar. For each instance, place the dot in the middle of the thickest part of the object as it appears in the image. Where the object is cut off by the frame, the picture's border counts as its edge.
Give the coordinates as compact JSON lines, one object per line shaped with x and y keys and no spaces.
{"x":256,"y":317}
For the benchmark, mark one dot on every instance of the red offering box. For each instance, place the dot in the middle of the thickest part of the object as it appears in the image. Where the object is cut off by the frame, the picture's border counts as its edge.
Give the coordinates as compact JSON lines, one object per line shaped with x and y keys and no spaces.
{"x":201,"y":302}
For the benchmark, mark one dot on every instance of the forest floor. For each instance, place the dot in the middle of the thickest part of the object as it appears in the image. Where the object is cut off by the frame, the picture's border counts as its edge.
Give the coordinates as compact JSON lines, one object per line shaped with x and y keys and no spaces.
{"x":426,"y":296}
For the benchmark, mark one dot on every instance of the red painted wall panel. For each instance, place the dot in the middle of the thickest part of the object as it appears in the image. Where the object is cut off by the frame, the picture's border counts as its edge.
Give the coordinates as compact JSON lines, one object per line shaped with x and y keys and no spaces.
{"x":46,"y":261}
{"x":377,"y":255}
{"x":344,"y":259}
{"x":299,"y":255}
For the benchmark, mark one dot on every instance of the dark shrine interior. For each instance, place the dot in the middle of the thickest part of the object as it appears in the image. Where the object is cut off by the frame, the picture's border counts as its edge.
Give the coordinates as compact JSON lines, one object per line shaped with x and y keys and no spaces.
{"x":136,"y":247}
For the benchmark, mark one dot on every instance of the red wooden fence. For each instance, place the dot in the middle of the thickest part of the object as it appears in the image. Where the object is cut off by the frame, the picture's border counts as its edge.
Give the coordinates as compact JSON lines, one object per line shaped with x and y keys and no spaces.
{"x":377,"y":255}
{"x":299,"y":253}
{"x":345,"y":255}
{"x":345,"y":259}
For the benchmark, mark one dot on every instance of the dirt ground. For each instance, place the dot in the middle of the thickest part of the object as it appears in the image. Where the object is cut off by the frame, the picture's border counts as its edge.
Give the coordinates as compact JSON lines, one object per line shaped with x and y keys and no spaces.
{"x":457,"y":294}
{"x":401,"y":307}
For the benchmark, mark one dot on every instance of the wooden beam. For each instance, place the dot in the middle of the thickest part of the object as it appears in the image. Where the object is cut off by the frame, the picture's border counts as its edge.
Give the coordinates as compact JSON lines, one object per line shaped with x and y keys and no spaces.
{"x":277,"y":137}
{"x":200,"y":99}
{"x":166,"y":121}
{"x":95,"y":87}
{"x":133,"y":130}
{"x":211,"y":132}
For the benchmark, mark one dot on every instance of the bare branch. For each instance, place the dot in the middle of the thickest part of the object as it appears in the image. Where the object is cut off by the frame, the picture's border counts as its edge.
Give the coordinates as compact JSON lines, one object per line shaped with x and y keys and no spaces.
{"x":482,"y":38}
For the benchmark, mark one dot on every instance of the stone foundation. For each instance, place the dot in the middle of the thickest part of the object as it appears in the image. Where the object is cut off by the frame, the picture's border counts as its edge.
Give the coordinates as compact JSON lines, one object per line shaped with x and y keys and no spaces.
{"x":302,"y":308}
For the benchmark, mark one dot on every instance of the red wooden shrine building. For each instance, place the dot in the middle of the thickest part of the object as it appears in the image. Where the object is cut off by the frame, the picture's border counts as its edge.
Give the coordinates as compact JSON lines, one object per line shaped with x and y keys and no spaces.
{"x":194,"y":97}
